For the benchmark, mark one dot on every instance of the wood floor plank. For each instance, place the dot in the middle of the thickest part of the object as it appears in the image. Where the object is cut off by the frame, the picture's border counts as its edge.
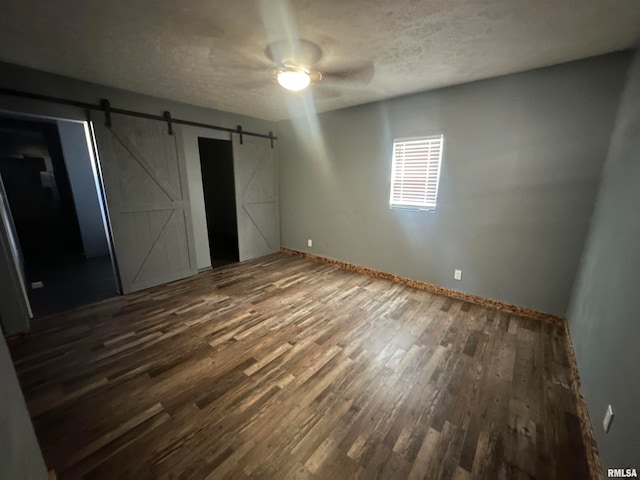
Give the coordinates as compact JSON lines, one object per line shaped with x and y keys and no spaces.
{"x":285,"y":368}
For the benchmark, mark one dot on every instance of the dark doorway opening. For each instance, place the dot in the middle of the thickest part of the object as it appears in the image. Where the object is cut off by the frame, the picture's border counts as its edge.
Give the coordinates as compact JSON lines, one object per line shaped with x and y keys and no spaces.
{"x":60,"y":271}
{"x":216,"y":163}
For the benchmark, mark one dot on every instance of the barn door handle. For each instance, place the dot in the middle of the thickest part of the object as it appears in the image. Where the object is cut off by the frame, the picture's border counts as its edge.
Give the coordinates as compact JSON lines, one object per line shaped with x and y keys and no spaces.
{"x":240,"y":133}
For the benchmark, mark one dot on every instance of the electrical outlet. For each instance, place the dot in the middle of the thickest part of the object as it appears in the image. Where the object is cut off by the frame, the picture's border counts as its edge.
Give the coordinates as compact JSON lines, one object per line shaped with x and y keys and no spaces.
{"x":35,"y":285}
{"x":309,"y":243}
{"x":608,"y":417}
{"x":457,"y":274}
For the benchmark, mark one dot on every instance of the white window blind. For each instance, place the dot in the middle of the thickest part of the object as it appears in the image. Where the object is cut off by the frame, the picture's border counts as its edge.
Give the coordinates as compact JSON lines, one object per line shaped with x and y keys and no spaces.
{"x":415,"y":172}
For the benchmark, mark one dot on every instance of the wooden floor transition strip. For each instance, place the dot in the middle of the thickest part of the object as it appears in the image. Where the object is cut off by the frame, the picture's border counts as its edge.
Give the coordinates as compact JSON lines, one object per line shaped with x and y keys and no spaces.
{"x":591,"y":448}
{"x":429,"y":287}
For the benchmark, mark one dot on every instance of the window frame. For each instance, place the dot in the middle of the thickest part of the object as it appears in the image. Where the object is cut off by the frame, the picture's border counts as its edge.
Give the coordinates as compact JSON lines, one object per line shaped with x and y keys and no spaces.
{"x":427,"y":206}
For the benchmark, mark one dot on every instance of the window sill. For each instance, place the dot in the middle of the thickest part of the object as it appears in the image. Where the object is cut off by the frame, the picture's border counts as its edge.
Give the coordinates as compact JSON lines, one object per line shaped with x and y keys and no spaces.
{"x":413,"y":209}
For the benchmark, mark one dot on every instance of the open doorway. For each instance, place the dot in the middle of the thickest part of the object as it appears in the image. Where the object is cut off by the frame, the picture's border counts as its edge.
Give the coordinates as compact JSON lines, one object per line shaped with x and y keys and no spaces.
{"x":216,"y":163}
{"x":49,"y":183}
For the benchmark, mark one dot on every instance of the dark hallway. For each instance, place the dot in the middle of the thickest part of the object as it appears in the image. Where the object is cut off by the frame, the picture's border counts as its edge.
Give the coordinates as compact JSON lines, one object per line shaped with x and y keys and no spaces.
{"x":216,"y":163}
{"x":59,"y":273}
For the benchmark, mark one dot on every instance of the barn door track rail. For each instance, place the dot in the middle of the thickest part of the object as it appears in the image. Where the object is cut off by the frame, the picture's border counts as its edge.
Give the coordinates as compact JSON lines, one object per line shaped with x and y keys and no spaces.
{"x":105,"y":106}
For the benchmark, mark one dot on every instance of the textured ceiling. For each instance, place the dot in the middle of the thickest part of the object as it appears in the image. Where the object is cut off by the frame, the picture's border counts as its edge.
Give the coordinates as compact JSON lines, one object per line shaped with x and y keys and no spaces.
{"x":211,"y":53}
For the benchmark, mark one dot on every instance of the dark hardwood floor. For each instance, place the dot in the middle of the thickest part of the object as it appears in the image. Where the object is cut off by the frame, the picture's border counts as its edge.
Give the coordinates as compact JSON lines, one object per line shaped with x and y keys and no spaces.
{"x":285,"y":368}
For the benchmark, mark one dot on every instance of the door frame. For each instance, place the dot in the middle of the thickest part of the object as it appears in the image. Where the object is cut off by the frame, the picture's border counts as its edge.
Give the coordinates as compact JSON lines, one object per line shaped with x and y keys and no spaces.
{"x":6,"y":240}
{"x":102,"y":197}
{"x":235,"y":196}
{"x":10,"y":242}
{"x":191,"y":154}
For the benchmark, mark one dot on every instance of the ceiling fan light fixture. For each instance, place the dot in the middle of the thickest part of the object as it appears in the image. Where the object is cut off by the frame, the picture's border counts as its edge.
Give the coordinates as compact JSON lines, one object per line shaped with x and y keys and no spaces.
{"x":293,"y":79}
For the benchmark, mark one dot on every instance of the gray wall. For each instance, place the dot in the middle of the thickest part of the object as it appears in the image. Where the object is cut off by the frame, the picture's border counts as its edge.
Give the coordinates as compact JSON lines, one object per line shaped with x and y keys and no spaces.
{"x":522,"y":159}
{"x":20,"y":78}
{"x":603,"y":317}
{"x":20,"y":456}
{"x":83,"y":186}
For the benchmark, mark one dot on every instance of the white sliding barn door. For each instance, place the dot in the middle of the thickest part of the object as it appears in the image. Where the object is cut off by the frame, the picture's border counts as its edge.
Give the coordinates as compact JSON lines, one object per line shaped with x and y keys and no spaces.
{"x":257,"y":200}
{"x":145,"y":182}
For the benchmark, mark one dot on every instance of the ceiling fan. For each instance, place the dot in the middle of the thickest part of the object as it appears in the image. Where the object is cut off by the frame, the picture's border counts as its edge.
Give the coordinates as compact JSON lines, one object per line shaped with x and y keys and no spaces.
{"x":294,"y":62}
{"x":296,"y":66}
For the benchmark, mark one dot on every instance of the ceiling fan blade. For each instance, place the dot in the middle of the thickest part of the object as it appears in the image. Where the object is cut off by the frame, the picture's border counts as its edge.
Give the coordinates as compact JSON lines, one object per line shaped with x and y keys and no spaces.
{"x":296,"y":52}
{"x":360,"y":75}
{"x":249,"y":59}
{"x":260,"y":84}
{"x":248,"y":67}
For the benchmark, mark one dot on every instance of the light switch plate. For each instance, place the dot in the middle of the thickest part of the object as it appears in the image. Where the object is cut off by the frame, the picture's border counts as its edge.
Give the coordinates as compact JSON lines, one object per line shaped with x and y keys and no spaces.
{"x":457,"y":274}
{"x":309,"y":243}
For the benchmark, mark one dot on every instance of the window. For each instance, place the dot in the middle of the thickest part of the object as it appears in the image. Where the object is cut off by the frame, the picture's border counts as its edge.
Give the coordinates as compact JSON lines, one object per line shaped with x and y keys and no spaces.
{"x":415,"y":172}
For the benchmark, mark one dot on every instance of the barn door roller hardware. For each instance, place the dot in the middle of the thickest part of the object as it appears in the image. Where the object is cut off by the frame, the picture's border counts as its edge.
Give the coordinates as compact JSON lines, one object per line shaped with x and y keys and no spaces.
{"x":105,"y":106}
{"x":167,"y":117}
